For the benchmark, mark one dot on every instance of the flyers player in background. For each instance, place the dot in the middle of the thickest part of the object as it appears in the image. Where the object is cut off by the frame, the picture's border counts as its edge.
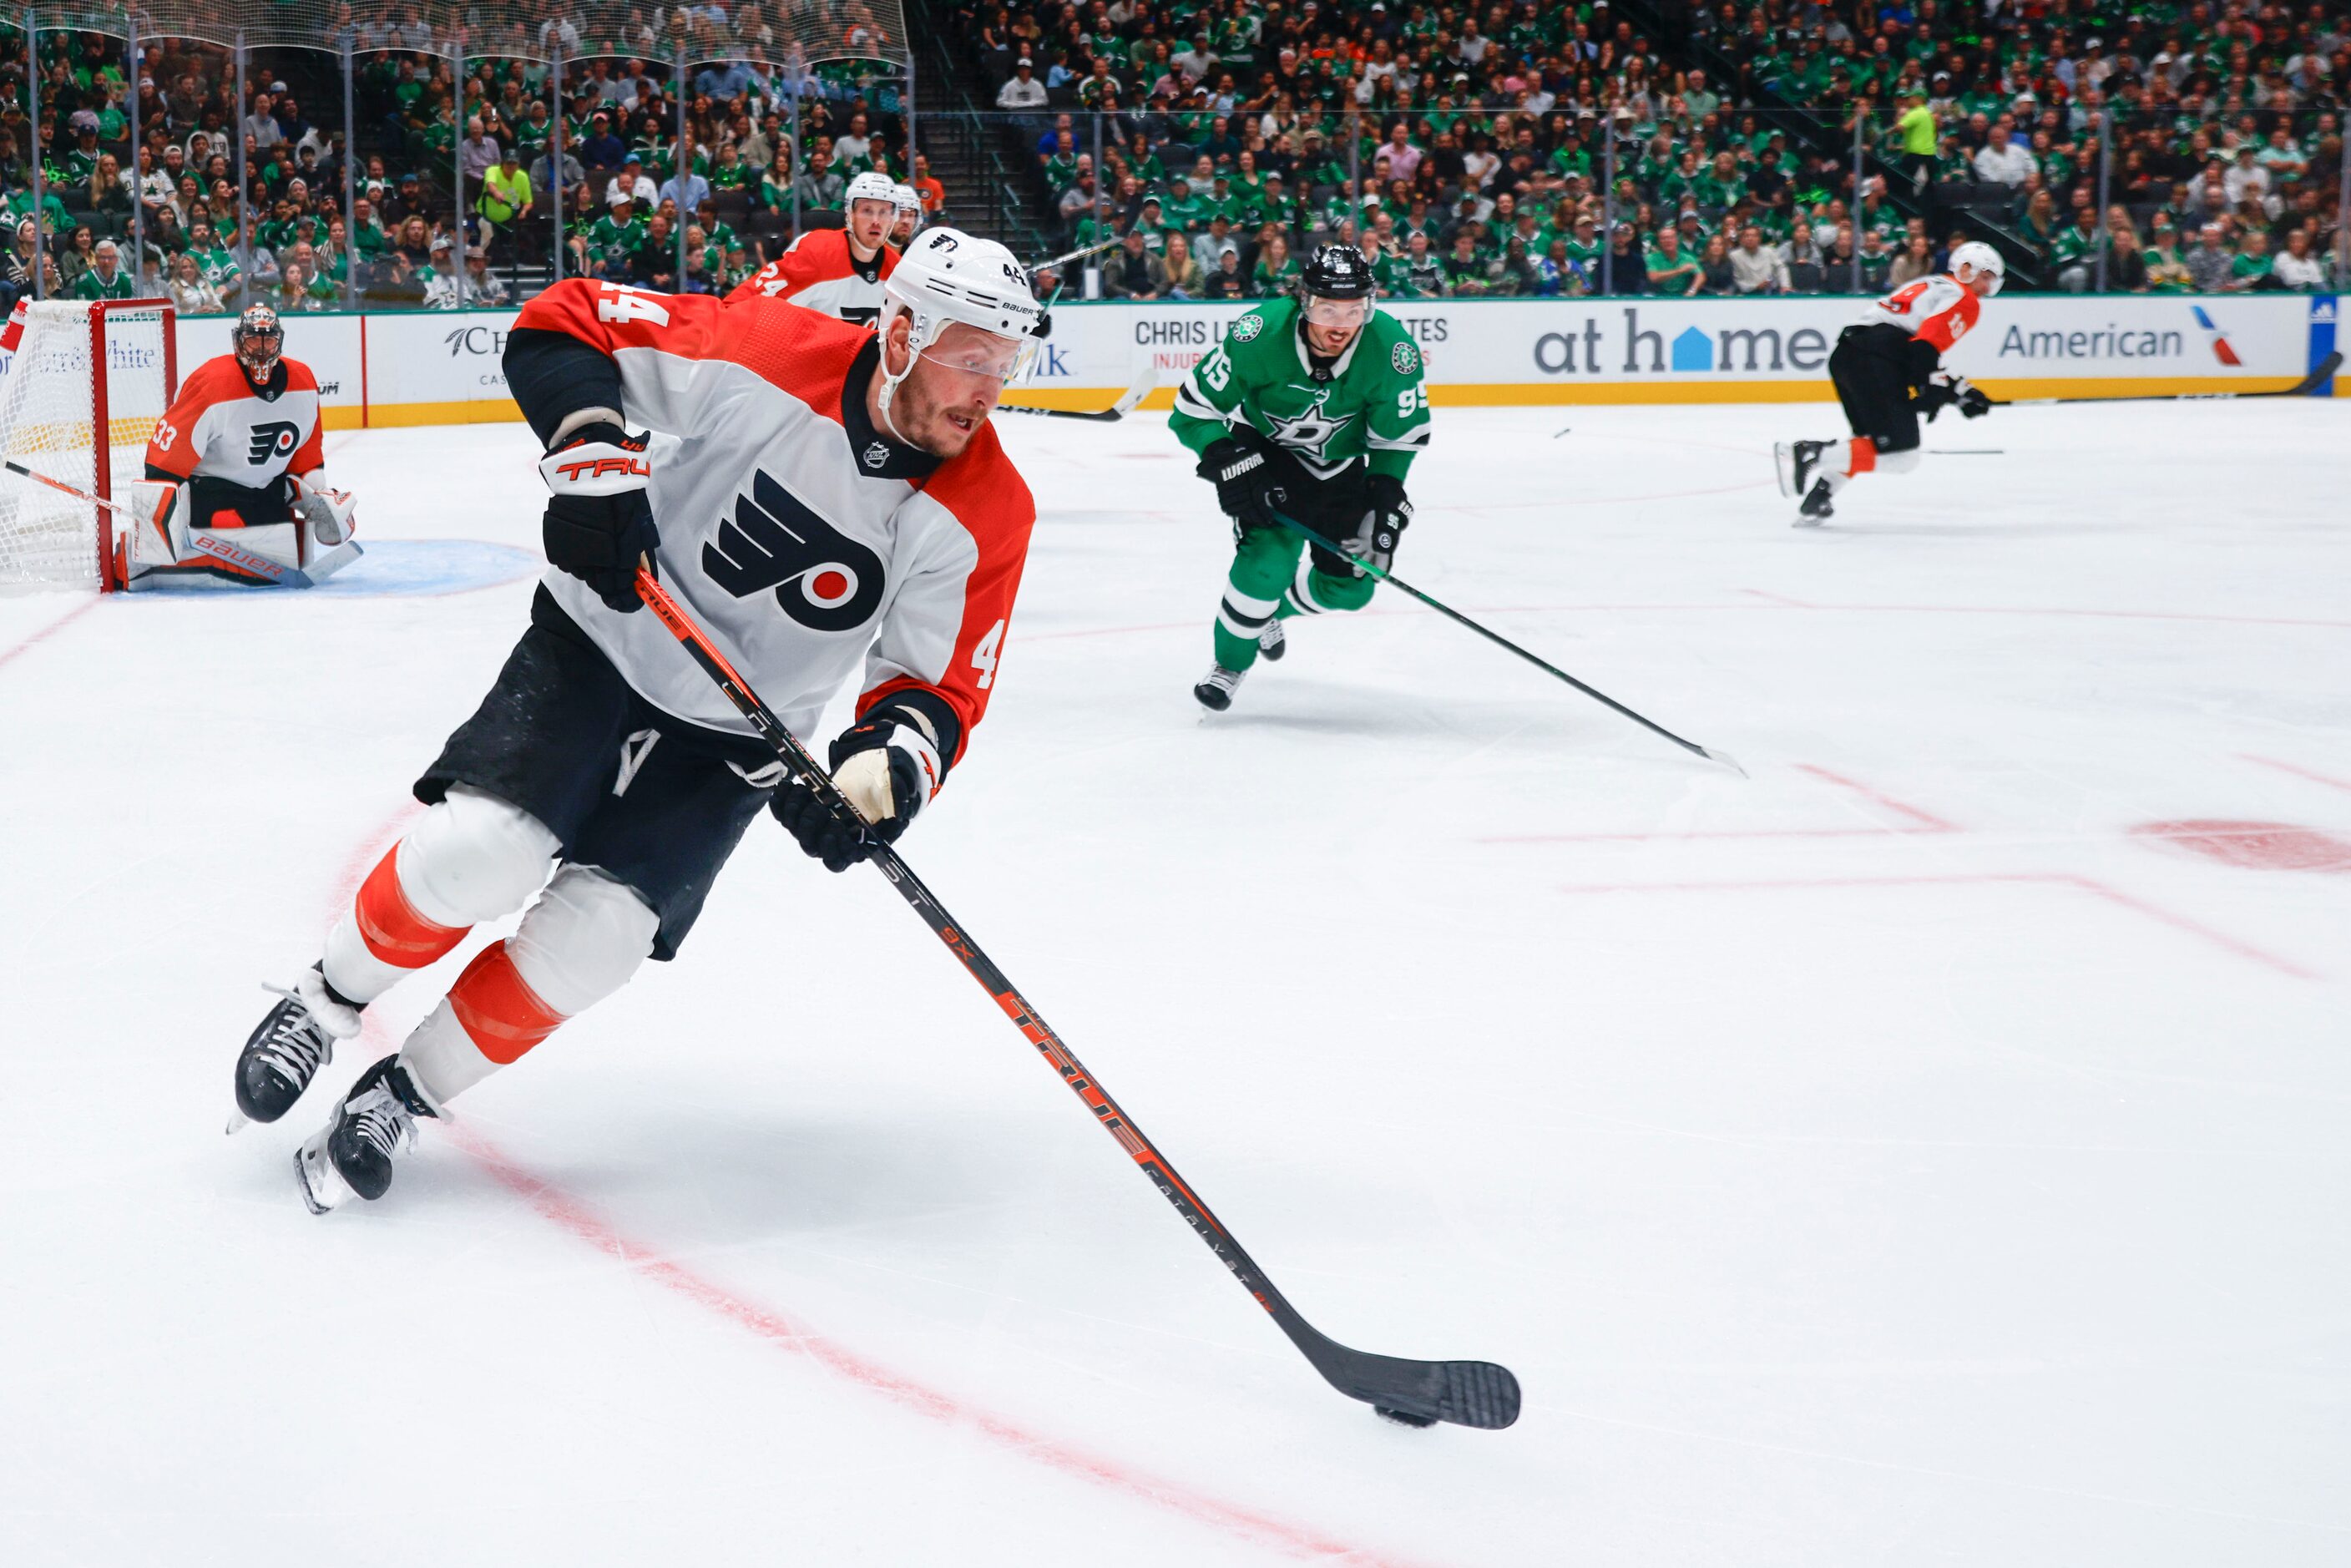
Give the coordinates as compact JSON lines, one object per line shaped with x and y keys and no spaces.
{"x":239,"y":450}
{"x":832,"y":504}
{"x":839,"y":271}
{"x":1888,"y":371}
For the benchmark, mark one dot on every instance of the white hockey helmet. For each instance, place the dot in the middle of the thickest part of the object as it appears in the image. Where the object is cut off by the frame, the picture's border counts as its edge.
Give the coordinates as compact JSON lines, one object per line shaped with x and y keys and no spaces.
{"x":870,"y":186}
{"x":948,"y":276}
{"x":1982,"y":261}
{"x":908,"y":202}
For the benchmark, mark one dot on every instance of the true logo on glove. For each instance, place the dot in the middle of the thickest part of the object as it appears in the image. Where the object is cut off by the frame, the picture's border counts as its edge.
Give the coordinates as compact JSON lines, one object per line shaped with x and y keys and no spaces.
{"x":597,"y":467}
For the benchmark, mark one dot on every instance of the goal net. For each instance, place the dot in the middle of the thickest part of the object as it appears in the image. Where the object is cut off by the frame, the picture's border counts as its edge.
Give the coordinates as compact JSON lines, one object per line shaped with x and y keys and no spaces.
{"x":78,"y":400}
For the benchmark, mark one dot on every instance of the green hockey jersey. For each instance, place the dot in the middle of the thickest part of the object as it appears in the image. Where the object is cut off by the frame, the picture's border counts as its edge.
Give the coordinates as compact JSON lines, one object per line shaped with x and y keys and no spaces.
{"x":1373,"y":407}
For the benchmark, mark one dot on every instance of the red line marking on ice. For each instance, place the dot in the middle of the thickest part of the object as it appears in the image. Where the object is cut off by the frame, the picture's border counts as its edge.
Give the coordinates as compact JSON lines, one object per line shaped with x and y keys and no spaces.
{"x":2254,"y":846}
{"x":52,"y":628}
{"x":569,"y":1212}
{"x":1927,"y":822}
{"x":2315,"y":778}
{"x":1778,"y":599}
{"x":2091,"y":885}
{"x":786,"y":1333}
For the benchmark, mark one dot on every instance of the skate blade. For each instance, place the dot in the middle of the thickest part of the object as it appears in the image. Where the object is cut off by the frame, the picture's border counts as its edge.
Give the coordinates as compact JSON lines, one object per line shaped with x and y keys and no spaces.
{"x":238,"y":1123}
{"x":324,"y":1189}
{"x":1784,"y":463}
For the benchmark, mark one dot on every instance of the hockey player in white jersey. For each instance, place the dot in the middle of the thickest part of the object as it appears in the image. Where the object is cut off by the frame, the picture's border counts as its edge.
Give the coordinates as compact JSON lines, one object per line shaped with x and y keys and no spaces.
{"x":236,"y":484}
{"x":824,"y":500}
{"x":839,"y":271}
{"x":1888,"y":371}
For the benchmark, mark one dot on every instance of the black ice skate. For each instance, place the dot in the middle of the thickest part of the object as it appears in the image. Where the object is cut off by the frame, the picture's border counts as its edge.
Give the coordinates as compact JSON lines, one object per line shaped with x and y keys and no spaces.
{"x":1273,"y":641}
{"x":287,"y":1048}
{"x":1794,"y":462}
{"x":1215,"y":691}
{"x":1816,"y":509}
{"x":352,"y":1155}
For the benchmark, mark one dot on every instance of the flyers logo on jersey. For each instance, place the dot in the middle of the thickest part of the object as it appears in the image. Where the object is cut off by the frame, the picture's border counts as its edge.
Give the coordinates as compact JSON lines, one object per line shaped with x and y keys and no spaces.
{"x":275,"y":439}
{"x":823,"y":579}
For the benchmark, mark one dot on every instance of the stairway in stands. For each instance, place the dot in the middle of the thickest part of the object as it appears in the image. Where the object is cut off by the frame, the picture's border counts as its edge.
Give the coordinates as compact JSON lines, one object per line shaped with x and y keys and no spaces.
{"x":993,"y":186}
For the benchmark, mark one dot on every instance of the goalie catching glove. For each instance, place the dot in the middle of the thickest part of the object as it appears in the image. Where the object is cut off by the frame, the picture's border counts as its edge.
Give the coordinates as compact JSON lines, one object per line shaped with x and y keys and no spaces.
{"x":598,"y":522}
{"x":1945,"y":387}
{"x":887,"y":767}
{"x":327,"y":512}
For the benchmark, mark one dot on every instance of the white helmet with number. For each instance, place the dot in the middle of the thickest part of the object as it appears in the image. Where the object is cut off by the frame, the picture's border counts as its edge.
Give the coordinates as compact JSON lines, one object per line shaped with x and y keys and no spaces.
{"x":1982,"y":261}
{"x":948,"y":276}
{"x":870,"y":186}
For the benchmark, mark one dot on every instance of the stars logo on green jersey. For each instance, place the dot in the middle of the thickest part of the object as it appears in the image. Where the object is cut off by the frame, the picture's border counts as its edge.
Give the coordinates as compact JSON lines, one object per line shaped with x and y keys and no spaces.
{"x":1310,"y":430}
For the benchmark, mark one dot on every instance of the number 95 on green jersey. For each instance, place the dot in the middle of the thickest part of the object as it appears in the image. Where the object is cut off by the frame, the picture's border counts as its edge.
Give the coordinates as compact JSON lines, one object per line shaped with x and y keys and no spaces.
{"x":1371,"y":404}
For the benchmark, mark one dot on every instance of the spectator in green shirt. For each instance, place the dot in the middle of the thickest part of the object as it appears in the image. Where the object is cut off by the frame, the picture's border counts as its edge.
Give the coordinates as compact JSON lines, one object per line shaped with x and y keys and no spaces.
{"x":1671,"y":271}
{"x":104,"y":278}
{"x":2253,"y":265}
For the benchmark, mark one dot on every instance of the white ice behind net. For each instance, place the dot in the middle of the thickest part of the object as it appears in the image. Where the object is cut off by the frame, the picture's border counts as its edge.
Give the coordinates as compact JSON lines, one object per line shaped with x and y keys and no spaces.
{"x":48,"y":425}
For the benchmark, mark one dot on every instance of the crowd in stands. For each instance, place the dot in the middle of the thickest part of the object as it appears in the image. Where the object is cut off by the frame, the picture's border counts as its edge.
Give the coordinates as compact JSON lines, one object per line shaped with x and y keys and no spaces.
{"x":1467,"y":147}
{"x":613,"y":161}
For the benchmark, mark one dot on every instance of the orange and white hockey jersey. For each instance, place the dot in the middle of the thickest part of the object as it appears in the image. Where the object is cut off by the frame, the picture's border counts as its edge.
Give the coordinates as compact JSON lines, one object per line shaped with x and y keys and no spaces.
{"x":222,"y":426}
{"x":821,"y":272}
{"x":801,"y":538}
{"x":1939,"y":309}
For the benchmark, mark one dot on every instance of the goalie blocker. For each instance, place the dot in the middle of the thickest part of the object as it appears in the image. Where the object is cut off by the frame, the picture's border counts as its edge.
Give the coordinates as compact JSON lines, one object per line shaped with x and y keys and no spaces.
{"x":235,"y":485}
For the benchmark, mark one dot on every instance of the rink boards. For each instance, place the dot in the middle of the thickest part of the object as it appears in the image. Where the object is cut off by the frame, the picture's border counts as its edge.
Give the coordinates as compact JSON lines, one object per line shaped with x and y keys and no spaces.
{"x":444,"y":367}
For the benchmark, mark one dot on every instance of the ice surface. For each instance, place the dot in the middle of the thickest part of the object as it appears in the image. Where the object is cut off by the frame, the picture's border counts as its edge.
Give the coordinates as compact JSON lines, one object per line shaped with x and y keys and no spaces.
{"x":1904,"y":1157}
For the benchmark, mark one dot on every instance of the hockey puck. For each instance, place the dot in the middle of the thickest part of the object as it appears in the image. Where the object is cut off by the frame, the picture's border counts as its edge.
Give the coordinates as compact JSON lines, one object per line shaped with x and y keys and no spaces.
{"x":1403,"y":1417}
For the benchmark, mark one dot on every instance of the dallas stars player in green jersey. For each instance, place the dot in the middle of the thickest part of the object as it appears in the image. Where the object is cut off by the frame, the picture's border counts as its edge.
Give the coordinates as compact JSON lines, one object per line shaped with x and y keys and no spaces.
{"x":1311,"y":408}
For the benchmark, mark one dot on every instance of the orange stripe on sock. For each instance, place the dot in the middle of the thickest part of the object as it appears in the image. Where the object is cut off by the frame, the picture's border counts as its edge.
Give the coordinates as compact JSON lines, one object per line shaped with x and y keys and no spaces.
{"x":390,"y":925}
{"x":1864,"y":455}
{"x":497,"y":1008}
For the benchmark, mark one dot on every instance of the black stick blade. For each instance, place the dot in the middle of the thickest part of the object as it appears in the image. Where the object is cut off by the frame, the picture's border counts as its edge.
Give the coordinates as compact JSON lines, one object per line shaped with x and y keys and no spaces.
{"x":1466,"y":1392}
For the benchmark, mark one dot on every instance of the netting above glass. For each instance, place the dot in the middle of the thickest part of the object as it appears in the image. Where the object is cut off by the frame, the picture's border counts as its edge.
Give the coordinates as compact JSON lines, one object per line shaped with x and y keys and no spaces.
{"x":770,"y":31}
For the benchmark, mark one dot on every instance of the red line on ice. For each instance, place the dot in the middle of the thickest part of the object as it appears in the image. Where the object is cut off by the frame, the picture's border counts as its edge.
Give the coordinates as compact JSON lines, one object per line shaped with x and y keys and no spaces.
{"x":1927,"y":822}
{"x":52,"y":628}
{"x":2091,"y":885}
{"x":2328,"y":779}
{"x":554,"y":1204}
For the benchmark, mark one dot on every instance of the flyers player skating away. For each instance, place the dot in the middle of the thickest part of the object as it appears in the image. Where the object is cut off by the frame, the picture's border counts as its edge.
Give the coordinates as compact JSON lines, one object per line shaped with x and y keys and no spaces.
{"x":235,"y":482}
{"x":1888,"y":371}
{"x":825,"y":501}
{"x":1311,"y":408}
{"x":838,"y":271}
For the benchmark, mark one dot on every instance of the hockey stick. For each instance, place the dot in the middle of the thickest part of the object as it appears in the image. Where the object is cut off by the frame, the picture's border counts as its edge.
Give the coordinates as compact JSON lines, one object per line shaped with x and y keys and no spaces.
{"x":1495,"y":637}
{"x":1119,"y":410}
{"x":235,"y":556}
{"x":1417,"y":1393}
{"x":2302,"y":388}
{"x":1037,"y":266}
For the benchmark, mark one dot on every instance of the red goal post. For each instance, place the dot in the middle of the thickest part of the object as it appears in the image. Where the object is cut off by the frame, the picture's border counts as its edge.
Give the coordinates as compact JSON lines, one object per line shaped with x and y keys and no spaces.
{"x":82,"y":394}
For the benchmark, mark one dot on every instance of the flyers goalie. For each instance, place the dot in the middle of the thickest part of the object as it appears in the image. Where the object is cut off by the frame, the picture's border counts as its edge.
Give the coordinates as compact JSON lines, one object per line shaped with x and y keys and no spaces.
{"x":236,"y":484}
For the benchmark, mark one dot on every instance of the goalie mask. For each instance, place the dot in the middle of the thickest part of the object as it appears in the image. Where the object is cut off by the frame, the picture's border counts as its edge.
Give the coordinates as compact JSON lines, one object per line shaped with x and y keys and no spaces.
{"x":948,"y":276}
{"x":258,"y":342}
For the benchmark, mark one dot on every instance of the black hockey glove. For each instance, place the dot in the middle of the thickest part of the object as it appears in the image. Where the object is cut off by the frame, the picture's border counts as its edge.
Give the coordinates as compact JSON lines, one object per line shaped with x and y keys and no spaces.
{"x":598,"y":521}
{"x":887,"y":767}
{"x":1243,"y":473}
{"x":1945,"y":387}
{"x":1390,"y":513}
